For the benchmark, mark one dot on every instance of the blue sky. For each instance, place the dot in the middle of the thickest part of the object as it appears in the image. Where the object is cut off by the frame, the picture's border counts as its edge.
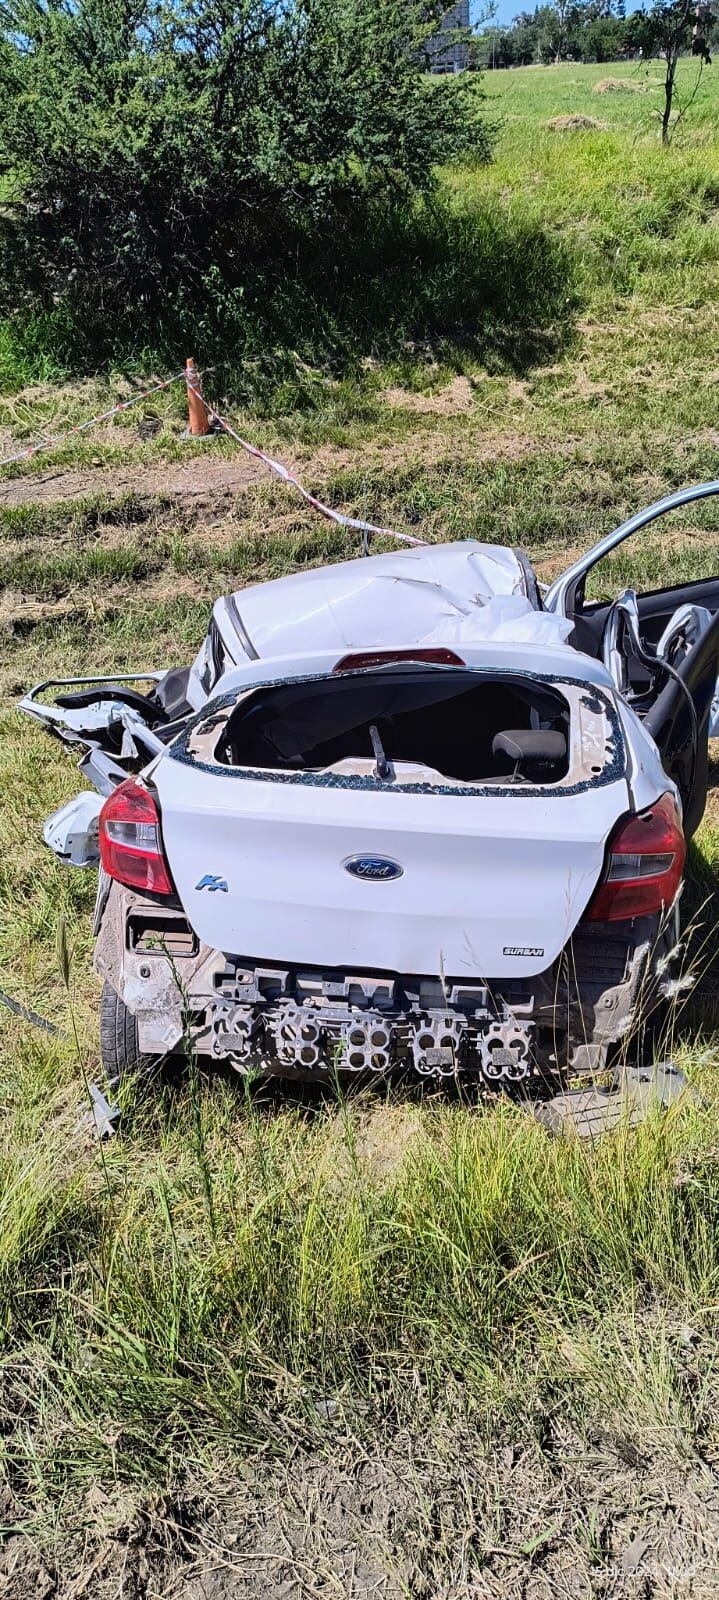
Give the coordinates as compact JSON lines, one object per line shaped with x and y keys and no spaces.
{"x":506,"y":9}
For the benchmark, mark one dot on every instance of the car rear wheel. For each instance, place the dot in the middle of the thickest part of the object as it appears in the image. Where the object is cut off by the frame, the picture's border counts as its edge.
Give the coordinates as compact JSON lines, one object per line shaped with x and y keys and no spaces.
{"x":119,"y":1040}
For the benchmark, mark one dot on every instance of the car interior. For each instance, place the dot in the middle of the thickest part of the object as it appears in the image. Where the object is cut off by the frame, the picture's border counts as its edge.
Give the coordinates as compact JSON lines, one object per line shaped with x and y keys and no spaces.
{"x":461,"y":726}
{"x":662,"y":649}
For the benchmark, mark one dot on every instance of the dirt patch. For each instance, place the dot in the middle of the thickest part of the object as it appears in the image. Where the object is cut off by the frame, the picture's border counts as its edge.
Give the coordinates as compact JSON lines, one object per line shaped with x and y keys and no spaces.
{"x":431,"y":1515}
{"x":441,"y":1520}
{"x":208,"y":485}
{"x":454,"y":401}
{"x":436,"y":448}
{"x":197,"y":479}
{"x":574,"y":123}
{"x":585,"y":388}
{"x":703,"y":438}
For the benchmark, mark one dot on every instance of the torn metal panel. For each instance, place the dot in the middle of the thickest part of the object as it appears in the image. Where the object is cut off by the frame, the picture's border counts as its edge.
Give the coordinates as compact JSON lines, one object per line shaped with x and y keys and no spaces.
{"x":452,"y":594}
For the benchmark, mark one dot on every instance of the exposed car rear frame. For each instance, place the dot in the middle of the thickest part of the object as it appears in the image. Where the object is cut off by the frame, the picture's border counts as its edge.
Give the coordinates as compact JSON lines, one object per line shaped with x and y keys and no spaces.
{"x":315,"y":1023}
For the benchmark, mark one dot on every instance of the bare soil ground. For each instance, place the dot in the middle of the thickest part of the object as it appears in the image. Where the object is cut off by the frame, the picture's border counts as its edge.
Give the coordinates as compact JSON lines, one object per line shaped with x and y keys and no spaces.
{"x":198,"y":479}
{"x":422,"y":1516}
{"x":203,"y":481}
{"x":454,"y":400}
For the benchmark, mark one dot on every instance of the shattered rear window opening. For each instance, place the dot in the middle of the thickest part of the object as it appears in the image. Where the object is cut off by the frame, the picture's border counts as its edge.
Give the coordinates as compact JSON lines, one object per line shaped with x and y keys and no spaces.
{"x":438,"y":729}
{"x":446,"y":722}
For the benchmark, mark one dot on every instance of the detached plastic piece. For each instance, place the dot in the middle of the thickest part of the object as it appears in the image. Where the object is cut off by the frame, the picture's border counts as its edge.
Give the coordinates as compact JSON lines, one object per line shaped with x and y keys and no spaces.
{"x":105,"y":1117}
{"x":589,"y":1113}
{"x":72,"y":832}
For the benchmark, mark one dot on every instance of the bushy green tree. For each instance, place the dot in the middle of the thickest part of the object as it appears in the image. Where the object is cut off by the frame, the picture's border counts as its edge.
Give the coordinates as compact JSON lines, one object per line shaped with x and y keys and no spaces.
{"x":147,"y":143}
{"x":601,"y":38}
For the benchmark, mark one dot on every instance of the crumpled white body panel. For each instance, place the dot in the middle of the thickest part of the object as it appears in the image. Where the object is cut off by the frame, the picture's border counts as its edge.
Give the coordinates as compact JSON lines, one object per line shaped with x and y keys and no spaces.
{"x":506,"y":619}
{"x":444,"y":594}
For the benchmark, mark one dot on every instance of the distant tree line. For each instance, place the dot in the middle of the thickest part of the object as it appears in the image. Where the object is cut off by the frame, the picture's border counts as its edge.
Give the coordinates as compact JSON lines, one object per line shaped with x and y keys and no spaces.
{"x":594,"y":30}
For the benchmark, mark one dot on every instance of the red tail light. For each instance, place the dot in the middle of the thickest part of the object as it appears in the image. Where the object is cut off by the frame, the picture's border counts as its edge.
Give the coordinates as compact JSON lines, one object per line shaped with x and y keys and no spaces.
{"x":359,"y":661}
{"x":131,"y":841}
{"x":645,"y":863}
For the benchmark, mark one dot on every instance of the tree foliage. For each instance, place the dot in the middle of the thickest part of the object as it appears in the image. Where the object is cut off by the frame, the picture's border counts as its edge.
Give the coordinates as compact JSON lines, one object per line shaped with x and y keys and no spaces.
{"x":145,"y":143}
{"x":595,"y":30}
{"x":576,"y":30}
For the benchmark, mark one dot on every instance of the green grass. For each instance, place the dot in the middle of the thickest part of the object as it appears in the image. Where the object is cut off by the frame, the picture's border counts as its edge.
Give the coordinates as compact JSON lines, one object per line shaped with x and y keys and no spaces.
{"x":407,"y":1254}
{"x":316,"y":1272}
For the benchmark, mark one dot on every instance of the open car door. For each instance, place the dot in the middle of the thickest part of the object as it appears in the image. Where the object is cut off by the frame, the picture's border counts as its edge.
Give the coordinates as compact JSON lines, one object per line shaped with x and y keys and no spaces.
{"x":662,"y":649}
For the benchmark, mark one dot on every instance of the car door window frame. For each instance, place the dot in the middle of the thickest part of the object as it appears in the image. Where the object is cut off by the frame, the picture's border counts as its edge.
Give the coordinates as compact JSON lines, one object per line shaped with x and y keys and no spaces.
{"x":566,"y":595}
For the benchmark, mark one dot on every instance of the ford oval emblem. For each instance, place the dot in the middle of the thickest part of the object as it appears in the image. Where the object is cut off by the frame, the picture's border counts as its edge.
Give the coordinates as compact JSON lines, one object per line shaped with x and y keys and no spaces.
{"x":373,"y":869}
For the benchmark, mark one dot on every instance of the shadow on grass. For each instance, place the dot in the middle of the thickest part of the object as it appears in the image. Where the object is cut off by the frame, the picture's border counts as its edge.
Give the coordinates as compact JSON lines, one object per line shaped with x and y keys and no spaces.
{"x":450,"y":278}
{"x":269,"y":1096}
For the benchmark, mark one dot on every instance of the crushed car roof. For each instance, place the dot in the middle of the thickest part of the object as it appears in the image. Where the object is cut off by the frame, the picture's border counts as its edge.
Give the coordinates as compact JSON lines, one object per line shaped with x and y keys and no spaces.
{"x":456,"y":593}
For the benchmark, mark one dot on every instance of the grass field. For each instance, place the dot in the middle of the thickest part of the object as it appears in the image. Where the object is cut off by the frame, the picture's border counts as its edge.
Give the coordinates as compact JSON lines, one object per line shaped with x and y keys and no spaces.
{"x":273,"y":1346}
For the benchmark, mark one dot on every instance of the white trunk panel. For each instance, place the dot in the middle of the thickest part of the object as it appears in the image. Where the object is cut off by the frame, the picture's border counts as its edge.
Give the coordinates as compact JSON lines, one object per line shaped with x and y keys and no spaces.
{"x":491,"y":887}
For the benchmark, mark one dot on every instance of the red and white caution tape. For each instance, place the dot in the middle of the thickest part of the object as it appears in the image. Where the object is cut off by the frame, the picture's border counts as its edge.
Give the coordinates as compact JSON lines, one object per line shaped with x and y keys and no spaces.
{"x":51,"y":441}
{"x":284,"y":474}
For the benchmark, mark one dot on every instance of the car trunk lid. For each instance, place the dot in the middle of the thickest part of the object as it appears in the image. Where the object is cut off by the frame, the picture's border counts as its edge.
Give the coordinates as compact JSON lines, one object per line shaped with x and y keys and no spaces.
{"x":381,"y":819}
{"x":425,"y":883}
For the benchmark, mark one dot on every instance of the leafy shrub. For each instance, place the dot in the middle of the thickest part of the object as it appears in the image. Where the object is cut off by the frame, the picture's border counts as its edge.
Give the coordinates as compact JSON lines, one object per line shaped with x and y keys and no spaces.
{"x":163,"y":153}
{"x":444,"y":273}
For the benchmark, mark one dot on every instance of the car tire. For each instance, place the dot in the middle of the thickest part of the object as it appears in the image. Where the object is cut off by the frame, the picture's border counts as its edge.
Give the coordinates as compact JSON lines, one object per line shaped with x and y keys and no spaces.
{"x":119,"y":1040}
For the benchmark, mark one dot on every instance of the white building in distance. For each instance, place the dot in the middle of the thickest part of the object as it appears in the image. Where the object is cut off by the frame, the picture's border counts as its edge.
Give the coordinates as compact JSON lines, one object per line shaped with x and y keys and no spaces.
{"x":444,"y":54}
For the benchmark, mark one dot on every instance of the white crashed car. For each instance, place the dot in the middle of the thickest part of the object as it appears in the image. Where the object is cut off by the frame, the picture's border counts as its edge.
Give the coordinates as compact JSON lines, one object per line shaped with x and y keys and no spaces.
{"x":400,"y":812}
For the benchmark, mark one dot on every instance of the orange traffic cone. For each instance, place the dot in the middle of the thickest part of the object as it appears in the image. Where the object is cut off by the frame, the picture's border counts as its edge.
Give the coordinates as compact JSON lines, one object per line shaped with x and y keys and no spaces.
{"x":198,"y":422}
